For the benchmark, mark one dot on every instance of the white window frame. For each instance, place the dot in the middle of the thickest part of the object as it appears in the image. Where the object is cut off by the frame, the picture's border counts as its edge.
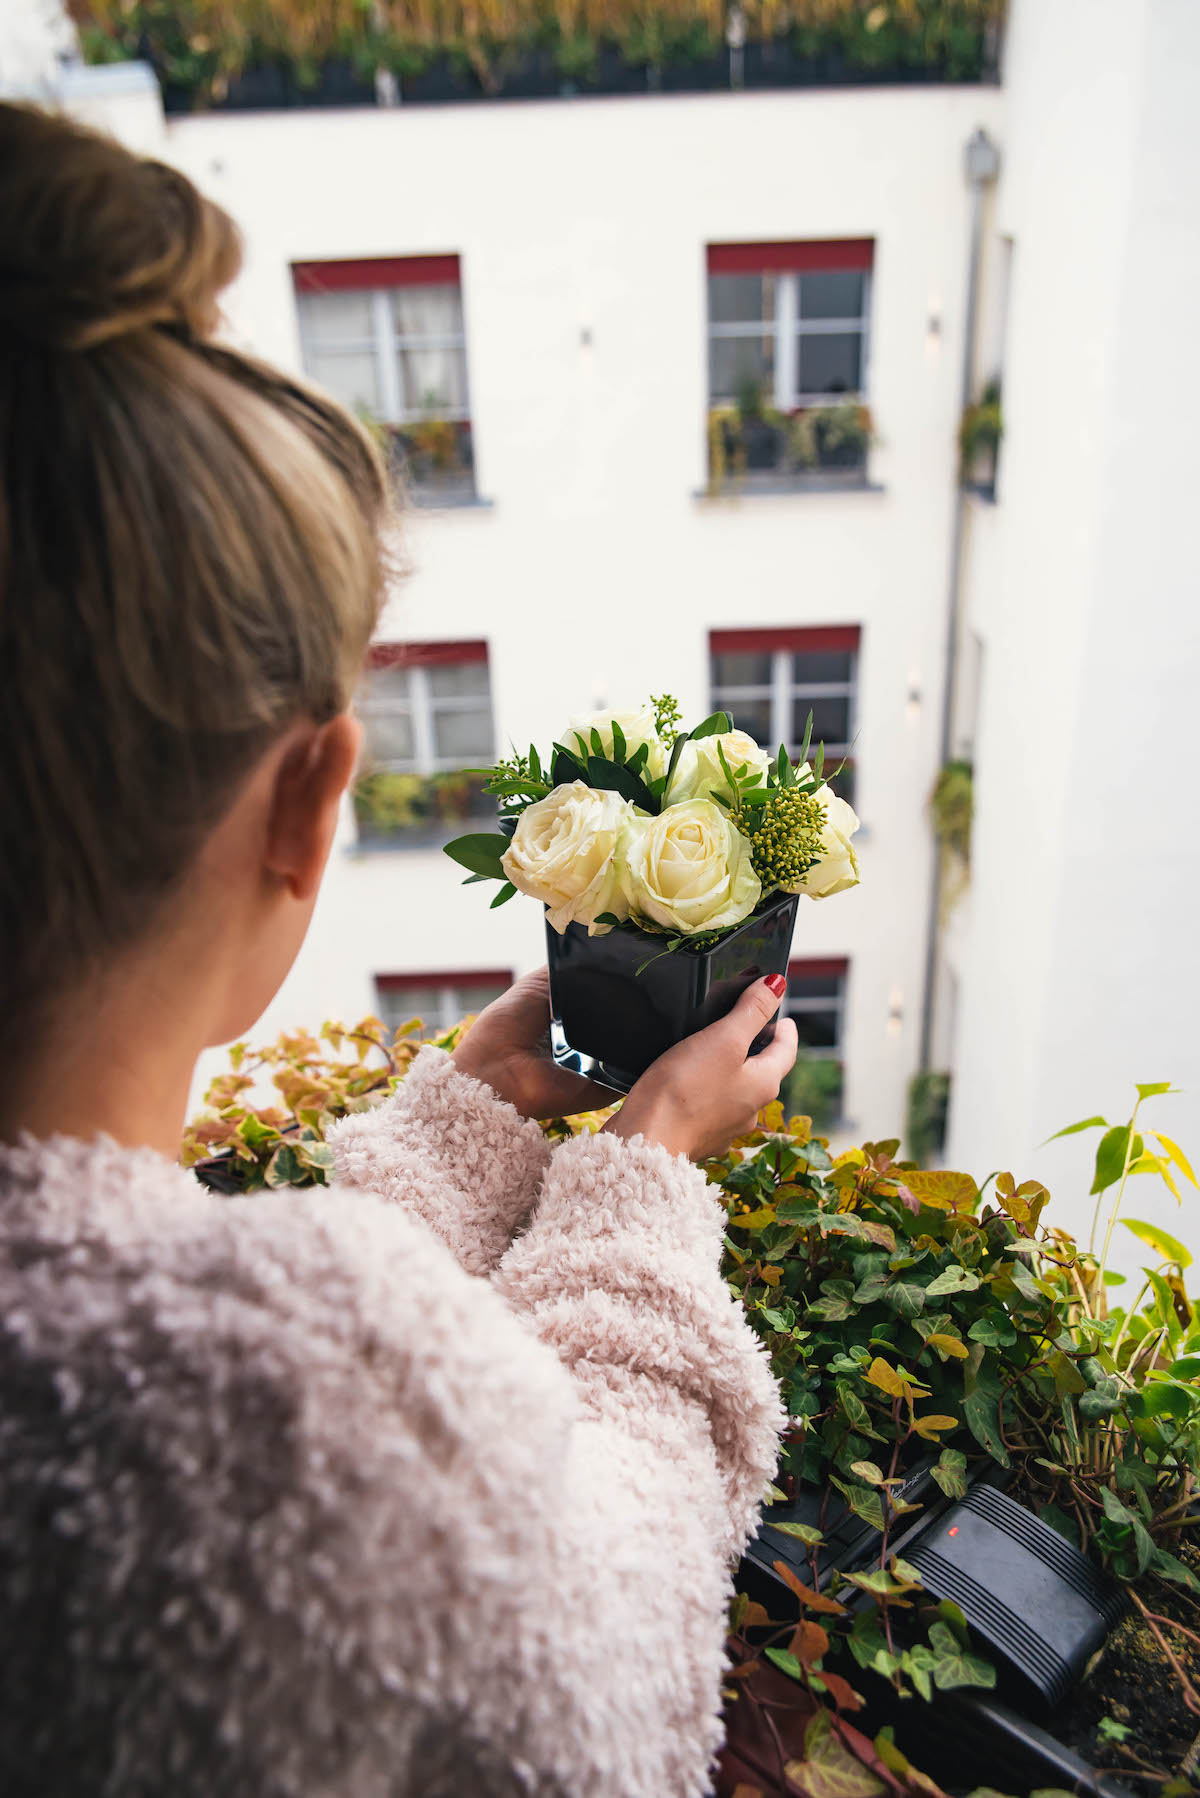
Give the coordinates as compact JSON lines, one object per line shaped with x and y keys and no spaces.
{"x":449,"y":1007}
{"x":793,"y":1008}
{"x":788,"y":325}
{"x":385,"y":343}
{"x":421,"y":706}
{"x":783,"y":691}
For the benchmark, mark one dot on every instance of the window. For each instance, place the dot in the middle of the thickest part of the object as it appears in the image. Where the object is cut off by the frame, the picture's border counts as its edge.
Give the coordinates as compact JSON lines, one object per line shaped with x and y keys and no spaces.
{"x":439,"y":1000}
{"x":769,"y":680}
{"x":385,"y":336}
{"x":426,"y":710}
{"x":787,"y":357}
{"x":816,"y":999}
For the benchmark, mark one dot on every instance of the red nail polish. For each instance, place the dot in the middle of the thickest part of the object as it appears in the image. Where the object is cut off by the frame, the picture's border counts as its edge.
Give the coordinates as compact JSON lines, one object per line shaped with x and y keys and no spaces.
{"x":777,"y":984}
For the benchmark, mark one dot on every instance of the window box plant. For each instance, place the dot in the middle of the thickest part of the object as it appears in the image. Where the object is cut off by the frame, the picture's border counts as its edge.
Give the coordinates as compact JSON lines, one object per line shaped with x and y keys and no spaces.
{"x":418,"y":810}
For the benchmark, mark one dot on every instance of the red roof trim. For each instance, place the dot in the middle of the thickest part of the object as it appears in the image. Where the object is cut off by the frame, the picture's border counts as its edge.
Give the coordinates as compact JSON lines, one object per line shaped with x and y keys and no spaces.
{"x":825,"y":254}
{"x":817,"y":965}
{"x":396,"y":983}
{"x":801,"y":636}
{"x":375,"y":271}
{"x":426,"y":655}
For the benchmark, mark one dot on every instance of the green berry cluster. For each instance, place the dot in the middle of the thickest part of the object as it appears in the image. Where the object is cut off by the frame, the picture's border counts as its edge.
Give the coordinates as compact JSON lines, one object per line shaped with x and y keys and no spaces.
{"x":667,"y":717}
{"x":785,"y":835}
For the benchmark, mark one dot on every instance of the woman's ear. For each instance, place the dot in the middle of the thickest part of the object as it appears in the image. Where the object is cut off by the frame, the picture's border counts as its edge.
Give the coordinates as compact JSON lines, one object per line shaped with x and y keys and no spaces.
{"x":313,"y":772}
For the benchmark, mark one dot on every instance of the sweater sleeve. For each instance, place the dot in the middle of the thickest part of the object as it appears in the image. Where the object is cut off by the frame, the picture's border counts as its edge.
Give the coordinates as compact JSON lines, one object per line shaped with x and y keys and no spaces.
{"x":618,"y":1273}
{"x":446,"y":1147}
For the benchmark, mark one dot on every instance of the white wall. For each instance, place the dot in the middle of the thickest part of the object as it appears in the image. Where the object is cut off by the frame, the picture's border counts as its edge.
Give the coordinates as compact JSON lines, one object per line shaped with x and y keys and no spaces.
{"x":597,"y":572}
{"x":1080,"y":971}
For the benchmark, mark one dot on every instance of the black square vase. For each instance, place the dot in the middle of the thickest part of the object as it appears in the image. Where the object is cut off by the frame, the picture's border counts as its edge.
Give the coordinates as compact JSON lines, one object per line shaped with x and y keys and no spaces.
{"x":609,"y":1022}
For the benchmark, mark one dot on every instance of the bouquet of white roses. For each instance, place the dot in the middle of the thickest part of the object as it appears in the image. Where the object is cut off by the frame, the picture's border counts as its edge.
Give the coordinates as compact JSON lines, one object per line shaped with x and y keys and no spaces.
{"x":634,"y":823}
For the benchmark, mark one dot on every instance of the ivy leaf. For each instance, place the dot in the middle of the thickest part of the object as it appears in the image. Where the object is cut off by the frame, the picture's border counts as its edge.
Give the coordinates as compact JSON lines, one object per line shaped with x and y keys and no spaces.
{"x":933,"y":1423}
{"x":948,"y":1346}
{"x":981,"y":1413}
{"x":953,"y":1666}
{"x":993,"y":1332}
{"x":836,"y":1304}
{"x":942,"y":1190}
{"x":956,"y":1281}
{"x":950,"y":1473}
{"x":891,"y":1380}
{"x":787,"y":1663}
{"x":803,"y":1532}
{"x":811,"y":1601}
{"x":855,"y":1410}
{"x":906,"y":1298}
{"x":829,"y":1769}
{"x":864,"y":1501}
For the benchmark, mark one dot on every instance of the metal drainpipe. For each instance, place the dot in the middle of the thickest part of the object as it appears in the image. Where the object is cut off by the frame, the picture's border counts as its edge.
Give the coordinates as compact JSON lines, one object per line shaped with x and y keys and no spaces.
{"x":982,"y":167}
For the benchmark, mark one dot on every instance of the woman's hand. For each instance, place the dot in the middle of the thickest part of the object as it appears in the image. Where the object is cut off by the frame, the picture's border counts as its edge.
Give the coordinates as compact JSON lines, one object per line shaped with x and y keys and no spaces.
{"x":508,"y":1048}
{"x":702,"y":1093}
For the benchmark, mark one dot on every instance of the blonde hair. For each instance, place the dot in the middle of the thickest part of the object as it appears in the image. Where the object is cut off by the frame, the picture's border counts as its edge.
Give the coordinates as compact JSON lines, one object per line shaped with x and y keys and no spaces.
{"x":190,"y":548}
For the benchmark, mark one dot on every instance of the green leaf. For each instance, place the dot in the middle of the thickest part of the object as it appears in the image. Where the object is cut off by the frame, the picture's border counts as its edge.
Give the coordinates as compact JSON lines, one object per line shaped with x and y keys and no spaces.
{"x":803,"y":1532}
{"x":1186,"y":1368}
{"x":953,"y":1666}
{"x":620,"y":749}
{"x":608,"y":917}
{"x":507,"y":891}
{"x":956,"y":1279}
{"x":906,"y":1298}
{"x":829,"y":1769}
{"x":950,"y":1473}
{"x":614,"y":777}
{"x":1178,"y":1157}
{"x":565,"y":767}
{"x":1154,"y":1089}
{"x":836,"y":1304}
{"x":787,"y":1663}
{"x":856,"y":1411}
{"x":1157,"y":1239}
{"x":981,"y":1413}
{"x":1169,"y":1398}
{"x":717,"y":724}
{"x":994,"y":1332}
{"x":480,"y":853}
{"x":1110,"y":1157}
{"x":1084,"y":1124}
{"x":864,"y":1501}
{"x":1167,"y":1567}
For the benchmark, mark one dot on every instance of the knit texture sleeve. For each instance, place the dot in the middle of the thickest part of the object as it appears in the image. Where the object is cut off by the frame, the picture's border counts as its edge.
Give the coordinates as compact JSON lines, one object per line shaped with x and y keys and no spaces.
{"x":618,"y":1273}
{"x":446,"y":1147}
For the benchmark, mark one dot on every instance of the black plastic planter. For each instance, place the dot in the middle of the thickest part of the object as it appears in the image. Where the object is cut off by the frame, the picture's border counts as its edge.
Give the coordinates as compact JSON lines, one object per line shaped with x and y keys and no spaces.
{"x":610,"y":1022}
{"x":1041,"y":1609}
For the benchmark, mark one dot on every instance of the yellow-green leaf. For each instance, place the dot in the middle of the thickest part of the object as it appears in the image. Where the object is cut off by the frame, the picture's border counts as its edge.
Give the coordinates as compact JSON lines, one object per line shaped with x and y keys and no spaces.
{"x":942,"y":1189}
{"x":948,"y":1345}
{"x":829,"y":1769}
{"x":1157,"y":1239}
{"x":1178,"y":1157}
{"x":931,"y":1425}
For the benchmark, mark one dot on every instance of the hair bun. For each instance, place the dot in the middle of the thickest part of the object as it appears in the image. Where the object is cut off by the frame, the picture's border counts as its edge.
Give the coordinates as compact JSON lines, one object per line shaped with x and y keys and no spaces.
{"x":96,"y":243}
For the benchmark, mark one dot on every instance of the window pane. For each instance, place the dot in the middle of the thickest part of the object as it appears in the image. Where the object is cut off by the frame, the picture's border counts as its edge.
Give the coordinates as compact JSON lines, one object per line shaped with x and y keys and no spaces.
{"x":388,"y":737}
{"x":433,"y":381}
{"x":830,"y":363}
{"x":456,"y":680}
{"x":831,"y":720}
{"x":742,"y":668}
{"x":350,"y":377}
{"x":397,"y":1004}
{"x":737,"y":362}
{"x":816,"y":1029}
{"x":384,"y":686}
{"x":332,"y":318}
{"x":818,"y":665}
{"x":813,"y":986}
{"x":465,"y":734}
{"x":754,"y":717}
{"x":831,"y":295}
{"x":474,"y":998}
{"x":434,"y":311}
{"x":741,"y":299}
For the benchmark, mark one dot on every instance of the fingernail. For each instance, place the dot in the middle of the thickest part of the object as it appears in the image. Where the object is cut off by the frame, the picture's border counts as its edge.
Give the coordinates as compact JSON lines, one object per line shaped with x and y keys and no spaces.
{"x":777,"y":984}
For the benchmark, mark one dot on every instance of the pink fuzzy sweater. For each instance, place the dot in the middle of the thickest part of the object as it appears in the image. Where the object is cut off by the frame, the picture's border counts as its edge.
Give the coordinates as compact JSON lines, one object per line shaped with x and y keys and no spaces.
{"x":428,"y":1484}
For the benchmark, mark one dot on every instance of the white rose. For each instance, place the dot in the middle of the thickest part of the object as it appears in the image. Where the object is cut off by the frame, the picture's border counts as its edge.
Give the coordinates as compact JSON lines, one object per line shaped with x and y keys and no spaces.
{"x":689,"y":869}
{"x":698,"y":772}
{"x":563,"y":852}
{"x":838,"y":867}
{"x":636,"y":727}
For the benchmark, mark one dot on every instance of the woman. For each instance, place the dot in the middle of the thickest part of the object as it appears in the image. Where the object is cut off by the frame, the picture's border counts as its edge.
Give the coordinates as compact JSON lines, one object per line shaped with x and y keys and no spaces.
{"x":427,"y":1484}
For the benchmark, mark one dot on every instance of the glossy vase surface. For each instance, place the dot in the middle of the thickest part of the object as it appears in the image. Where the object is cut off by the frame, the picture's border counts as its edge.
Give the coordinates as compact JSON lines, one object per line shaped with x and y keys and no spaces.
{"x":610,"y":1022}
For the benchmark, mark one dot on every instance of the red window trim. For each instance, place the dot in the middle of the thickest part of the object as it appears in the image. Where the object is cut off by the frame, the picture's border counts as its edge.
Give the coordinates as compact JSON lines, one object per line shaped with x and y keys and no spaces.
{"x":375,"y":271}
{"x":826,"y":255}
{"x":815,"y":965}
{"x":800,"y":636}
{"x":426,"y":655}
{"x":398,"y":983}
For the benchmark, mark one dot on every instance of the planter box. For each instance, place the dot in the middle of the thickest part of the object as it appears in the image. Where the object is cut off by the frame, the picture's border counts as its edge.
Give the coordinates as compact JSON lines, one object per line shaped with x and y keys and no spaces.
{"x":610,"y":1022}
{"x":1041,"y":1610}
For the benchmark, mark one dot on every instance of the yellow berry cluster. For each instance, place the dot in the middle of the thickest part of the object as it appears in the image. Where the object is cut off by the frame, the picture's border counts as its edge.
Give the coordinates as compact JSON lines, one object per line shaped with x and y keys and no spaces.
{"x":785,"y":835}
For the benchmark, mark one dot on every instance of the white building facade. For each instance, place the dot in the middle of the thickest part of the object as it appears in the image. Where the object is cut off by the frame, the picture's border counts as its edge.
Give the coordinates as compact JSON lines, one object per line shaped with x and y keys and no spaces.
{"x":548,"y":296}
